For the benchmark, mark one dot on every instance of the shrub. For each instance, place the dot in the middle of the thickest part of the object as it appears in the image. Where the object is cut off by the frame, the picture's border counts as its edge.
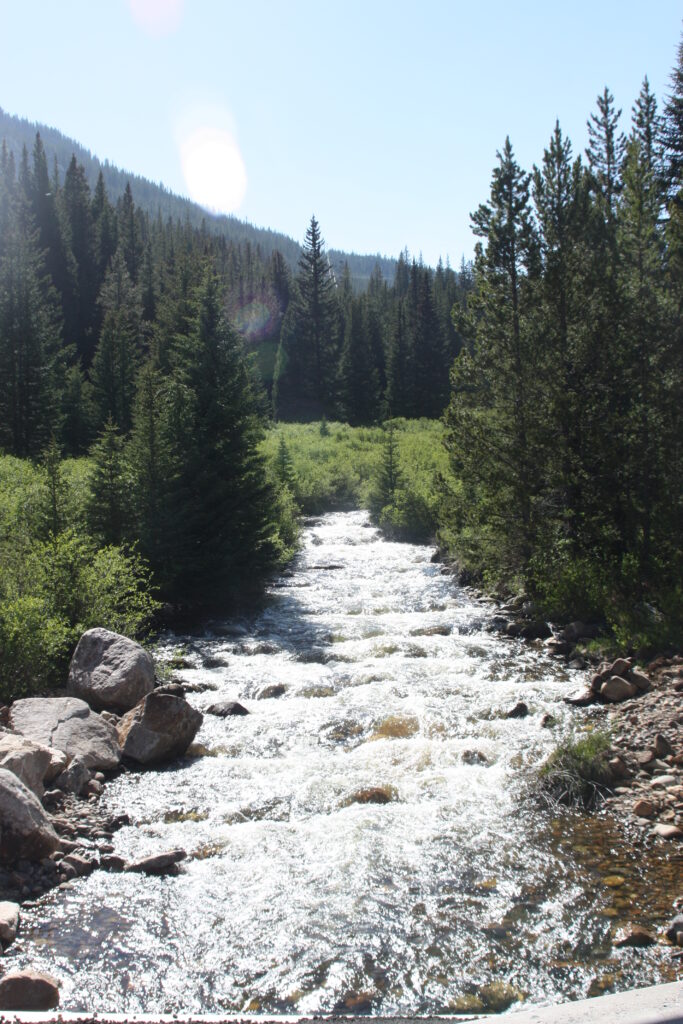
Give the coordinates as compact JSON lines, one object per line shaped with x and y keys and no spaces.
{"x":577,"y":772}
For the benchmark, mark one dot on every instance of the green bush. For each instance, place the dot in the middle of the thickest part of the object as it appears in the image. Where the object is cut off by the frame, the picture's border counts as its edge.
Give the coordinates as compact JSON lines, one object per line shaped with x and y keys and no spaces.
{"x":55,"y":586}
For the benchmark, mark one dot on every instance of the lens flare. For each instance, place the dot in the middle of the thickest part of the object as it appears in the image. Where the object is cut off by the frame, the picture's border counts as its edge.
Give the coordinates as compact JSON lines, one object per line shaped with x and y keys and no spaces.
{"x":214,"y":170}
{"x":256,"y":319}
{"x":157,"y":17}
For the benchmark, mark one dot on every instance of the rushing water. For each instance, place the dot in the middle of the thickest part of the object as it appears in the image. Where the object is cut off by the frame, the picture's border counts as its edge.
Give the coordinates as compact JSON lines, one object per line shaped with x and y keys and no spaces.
{"x":300,"y":897}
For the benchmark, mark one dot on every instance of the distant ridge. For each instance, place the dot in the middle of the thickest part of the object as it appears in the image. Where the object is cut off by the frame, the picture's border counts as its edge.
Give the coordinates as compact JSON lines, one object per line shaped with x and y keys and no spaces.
{"x":157,"y":199}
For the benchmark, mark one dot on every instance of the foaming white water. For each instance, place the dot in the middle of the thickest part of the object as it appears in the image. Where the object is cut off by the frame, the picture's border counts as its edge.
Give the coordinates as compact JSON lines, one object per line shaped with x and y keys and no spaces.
{"x":303,"y":894}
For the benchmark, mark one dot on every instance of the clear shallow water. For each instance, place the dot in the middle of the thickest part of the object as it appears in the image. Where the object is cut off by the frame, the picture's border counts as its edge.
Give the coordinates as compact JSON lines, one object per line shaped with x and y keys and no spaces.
{"x":298,"y":898}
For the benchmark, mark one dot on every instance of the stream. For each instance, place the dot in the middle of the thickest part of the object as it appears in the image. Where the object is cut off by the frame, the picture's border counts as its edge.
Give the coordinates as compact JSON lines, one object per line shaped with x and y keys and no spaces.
{"x":359,"y":843}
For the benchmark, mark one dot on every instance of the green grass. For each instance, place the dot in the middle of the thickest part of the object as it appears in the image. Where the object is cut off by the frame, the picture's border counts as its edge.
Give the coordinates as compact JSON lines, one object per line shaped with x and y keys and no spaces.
{"x":577,"y":772}
{"x":338,"y":467}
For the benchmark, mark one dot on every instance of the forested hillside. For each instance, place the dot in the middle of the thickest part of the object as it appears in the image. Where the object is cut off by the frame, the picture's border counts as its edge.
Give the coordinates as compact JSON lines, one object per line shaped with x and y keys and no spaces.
{"x":156,"y":200}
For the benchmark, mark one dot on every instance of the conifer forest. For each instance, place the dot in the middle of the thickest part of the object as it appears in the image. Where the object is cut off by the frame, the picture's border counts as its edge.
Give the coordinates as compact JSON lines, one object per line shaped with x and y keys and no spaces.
{"x":172,"y":398}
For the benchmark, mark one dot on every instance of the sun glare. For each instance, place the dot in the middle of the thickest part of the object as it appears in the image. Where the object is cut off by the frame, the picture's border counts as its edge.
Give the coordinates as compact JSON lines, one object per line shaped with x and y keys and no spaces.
{"x":214,"y":170}
{"x":158,"y":17}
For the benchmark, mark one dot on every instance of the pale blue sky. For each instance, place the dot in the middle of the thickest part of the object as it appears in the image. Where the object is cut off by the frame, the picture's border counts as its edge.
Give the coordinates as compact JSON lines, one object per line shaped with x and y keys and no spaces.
{"x":382,"y":117}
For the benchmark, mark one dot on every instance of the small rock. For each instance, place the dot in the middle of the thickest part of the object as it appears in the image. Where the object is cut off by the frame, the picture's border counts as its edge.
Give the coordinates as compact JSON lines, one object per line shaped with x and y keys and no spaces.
{"x":537,"y":630}
{"x":580,"y":699}
{"x":373,"y":795}
{"x":634,"y":936}
{"x":9,"y":922}
{"x":276,"y":690}
{"x":513,"y":629}
{"x":158,"y":864}
{"x":662,"y":747}
{"x":620,"y":667}
{"x":111,"y":862}
{"x":474,"y":757}
{"x":639,"y":679}
{"x":548,"y":722}
{"x":663,"y":781}
{"x":226,"y":708}
{"x":28,"y":990}
{"x":556,"y":646}
{"x":75,"y":778}
{"x":644,"y":808}
{"x":668,"y":831}
{"x":81,"y":865}
{"x":520,"y":710}
{"x":675,"y":929}
{"x":618,"y":768}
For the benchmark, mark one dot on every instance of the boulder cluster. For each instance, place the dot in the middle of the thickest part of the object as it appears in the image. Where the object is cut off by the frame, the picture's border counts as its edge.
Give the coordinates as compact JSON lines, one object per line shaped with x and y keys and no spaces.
{"x":55,"y":753}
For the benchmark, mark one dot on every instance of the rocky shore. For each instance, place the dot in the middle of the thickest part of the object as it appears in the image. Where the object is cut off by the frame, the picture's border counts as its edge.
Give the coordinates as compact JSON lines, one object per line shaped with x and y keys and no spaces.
{"x":56,"y":754}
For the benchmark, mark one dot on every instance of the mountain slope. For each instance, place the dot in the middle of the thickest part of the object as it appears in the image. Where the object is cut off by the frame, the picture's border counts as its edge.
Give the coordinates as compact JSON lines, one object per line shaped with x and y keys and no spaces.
{"x":155,"y":198}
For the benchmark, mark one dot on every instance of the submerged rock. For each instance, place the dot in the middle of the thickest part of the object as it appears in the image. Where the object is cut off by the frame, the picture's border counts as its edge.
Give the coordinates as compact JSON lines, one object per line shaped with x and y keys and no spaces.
{"x":373,"y":795}
{"x":110,"y":671}
{"x":520,"y":710}
{"x":268,"y":692}
{"x":636,"y":936}
{"x":160,"y":728}
{"x":69,"y":725}
{"x":159,"y":863}
{"x":226,"y":708}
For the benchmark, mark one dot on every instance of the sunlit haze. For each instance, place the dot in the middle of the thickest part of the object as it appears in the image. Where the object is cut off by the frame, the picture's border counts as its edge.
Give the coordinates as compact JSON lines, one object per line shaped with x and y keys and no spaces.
{"x":383,"y":119}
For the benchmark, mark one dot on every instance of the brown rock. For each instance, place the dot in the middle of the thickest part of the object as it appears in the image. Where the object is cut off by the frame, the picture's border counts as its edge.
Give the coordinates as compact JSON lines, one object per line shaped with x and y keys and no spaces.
{"x":520,"y":710}
{"x":580,"y":699}
{"x":638,"y":679}
{"x":160,"y":728}
{"x":268,"y":692}
{"x":668,"y":831}
{"x":662,"y":747}
{"x":644,"y":808}
{"x":618,"y":768}
{"x":621,"y":667}
{"x":615,"y":690}
{"x":28,"y":990}
{"x":634,"y":936}
{"x":158,"y":864}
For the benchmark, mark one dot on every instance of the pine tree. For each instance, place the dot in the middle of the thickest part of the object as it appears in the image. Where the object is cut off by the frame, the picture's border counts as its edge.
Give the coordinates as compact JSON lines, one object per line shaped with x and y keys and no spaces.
{"x":493,"y":426}
{"x":359,"y":377}
{"x":307,"y":360}
{"x":31,"y":362}
{"x":118,"y":353}
{"x":221,"y":533}
{"x":109,"y":503}
{"x":606,"y":152}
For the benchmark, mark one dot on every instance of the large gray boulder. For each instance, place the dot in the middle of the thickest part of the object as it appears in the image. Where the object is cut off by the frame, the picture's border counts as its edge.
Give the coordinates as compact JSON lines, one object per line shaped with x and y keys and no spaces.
{"x":29,"y":761}
{"x":25,"y":829}
{"x":67,"y":724}
{"x":160,"y":728}
{"x":110,"y":672}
